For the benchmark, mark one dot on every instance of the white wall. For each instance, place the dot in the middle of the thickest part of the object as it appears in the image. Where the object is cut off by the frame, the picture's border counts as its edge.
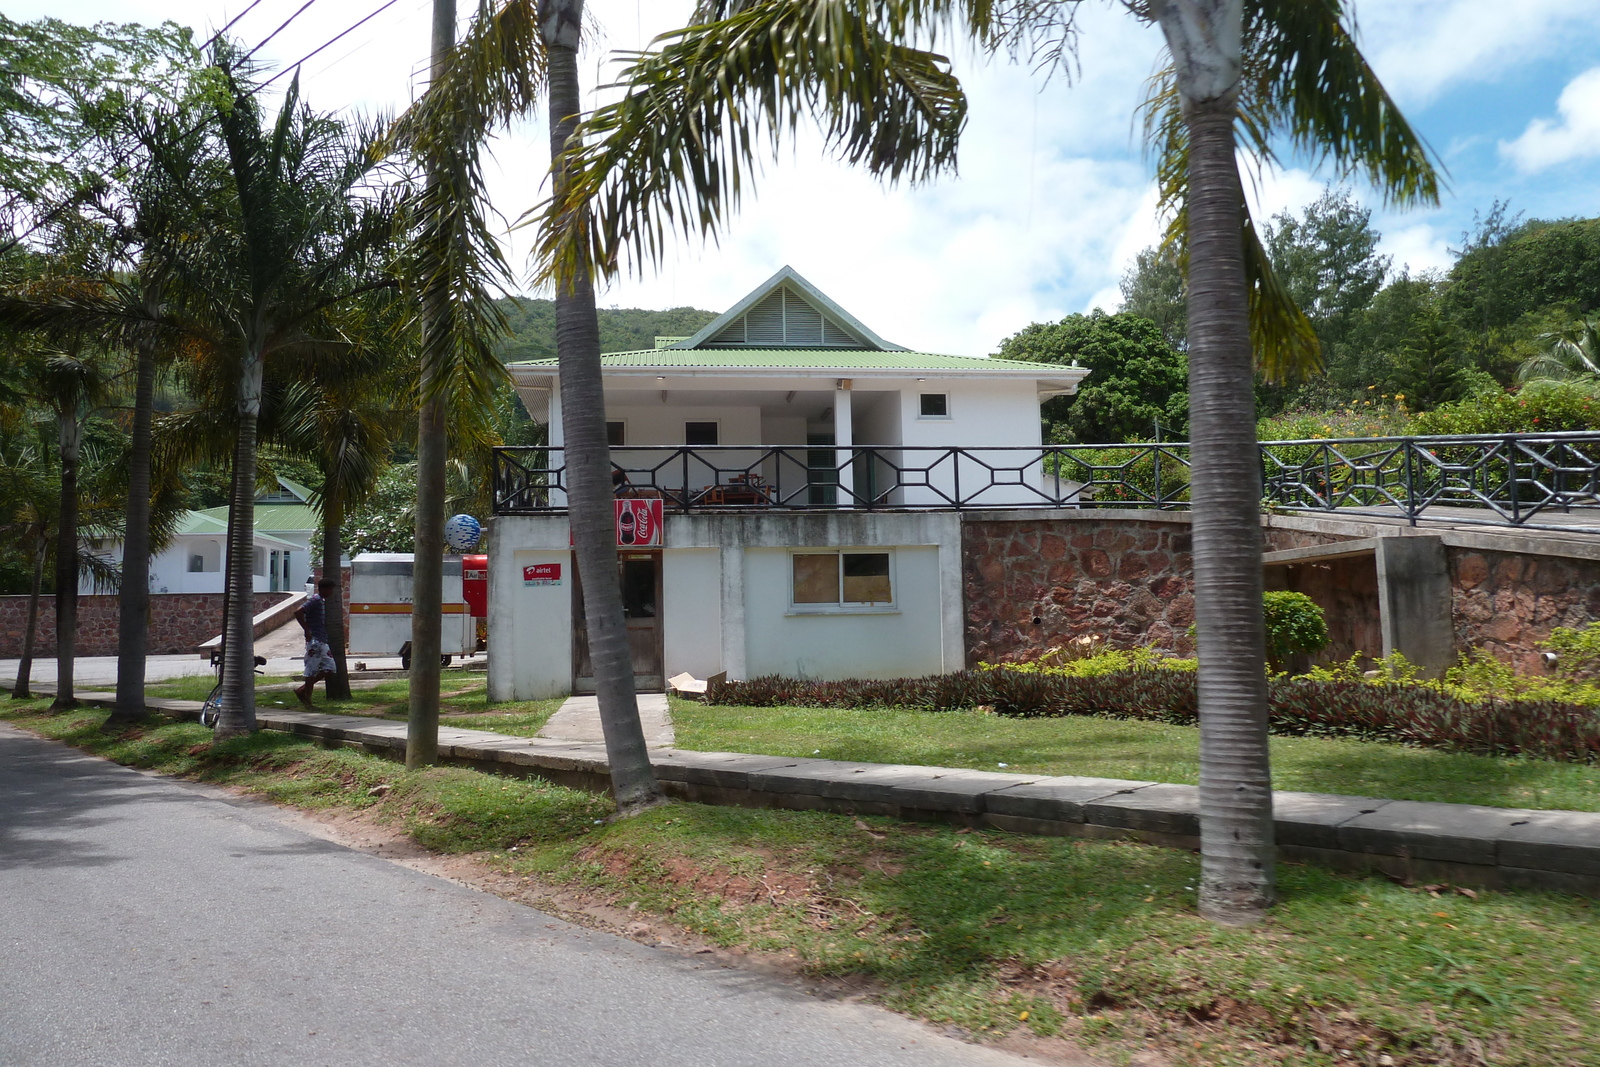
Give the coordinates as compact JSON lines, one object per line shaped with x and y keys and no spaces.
{"x":726,"y":589}
{"x":982,"y":413}
{"x":691,"y":611}
{"x":903,"y":643}
{"x":530,"y":627}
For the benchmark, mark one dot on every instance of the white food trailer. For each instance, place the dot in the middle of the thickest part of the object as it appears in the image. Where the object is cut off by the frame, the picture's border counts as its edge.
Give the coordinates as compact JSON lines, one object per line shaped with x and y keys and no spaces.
{"x":380,"y":607}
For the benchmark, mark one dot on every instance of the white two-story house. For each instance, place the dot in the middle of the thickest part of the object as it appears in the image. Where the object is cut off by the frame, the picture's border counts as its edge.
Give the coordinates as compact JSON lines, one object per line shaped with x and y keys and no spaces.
{"x":808,"y":474}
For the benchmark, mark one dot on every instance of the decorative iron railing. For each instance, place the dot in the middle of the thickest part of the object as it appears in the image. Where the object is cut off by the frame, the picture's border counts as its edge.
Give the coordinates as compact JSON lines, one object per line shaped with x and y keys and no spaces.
{"x":1511,"y":478}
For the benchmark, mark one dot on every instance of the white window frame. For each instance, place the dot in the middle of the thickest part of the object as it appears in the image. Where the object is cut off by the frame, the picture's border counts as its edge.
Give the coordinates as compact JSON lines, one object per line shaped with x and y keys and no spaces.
{"x":842,"y":607}
{"x":948,"y":410}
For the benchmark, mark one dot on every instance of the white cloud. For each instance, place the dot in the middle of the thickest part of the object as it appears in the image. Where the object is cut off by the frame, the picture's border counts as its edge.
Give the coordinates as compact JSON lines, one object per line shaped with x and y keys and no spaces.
{"x":1421,"y":47}
{"x":1576,"y":135}
{"x":1417,"y":247}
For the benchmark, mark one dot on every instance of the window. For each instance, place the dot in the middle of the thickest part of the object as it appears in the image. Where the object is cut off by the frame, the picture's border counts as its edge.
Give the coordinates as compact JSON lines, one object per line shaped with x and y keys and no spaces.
{"x":935,"y":405}
{"x":616,"y":434}
{"x":197,"y":564}
{"x":841,"y":580}
{"x":699,"y":433}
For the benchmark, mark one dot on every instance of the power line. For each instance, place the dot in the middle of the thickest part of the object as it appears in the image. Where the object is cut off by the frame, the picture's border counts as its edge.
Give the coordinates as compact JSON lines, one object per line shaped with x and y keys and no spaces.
{"x":295,"y":65}
{"x":298,"y":12}
{"x":229,"y":26}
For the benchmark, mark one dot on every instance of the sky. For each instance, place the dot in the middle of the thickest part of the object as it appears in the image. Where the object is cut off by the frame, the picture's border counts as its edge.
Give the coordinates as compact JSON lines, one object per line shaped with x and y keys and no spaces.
{"x":1054,"y":195}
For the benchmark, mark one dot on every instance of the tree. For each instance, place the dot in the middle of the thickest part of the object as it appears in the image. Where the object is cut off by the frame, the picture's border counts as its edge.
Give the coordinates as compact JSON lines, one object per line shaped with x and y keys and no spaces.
{"x":1571,"y":353}
{"x":1153,"y":289}
{"x":281,"y":228}
{"x":1136,"y":381}
{"x":671,"y":153}
{"x":494,"y":75}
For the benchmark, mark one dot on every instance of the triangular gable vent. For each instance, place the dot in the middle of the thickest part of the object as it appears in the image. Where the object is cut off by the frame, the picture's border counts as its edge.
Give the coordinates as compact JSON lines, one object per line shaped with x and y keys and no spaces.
{"x":783,"y":319}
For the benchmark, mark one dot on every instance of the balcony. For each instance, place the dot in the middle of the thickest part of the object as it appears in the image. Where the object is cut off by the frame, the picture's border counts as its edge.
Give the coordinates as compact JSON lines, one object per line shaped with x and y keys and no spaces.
{"x":1531,"y":480}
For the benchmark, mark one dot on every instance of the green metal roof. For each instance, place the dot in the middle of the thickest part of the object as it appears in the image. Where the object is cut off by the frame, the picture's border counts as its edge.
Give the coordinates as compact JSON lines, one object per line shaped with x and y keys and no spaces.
{"x":275,"y":516}
{"x":803,"y":359}
{"x":198,"y":522}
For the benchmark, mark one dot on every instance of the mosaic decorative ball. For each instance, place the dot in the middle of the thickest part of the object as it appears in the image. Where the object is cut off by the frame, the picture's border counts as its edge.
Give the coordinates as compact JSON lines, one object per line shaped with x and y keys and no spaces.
{"x":461,"y":533}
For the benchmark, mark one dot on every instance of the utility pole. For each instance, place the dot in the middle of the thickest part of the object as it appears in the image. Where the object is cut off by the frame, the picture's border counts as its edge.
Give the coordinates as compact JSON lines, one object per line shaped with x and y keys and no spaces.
{"x":427,"y":573}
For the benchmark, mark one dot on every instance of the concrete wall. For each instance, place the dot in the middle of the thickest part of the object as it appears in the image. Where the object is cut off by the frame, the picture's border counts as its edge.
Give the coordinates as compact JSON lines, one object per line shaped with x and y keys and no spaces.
{"x":179,"y":622}
{"x":726,"y":595}
{"x":530,"y":627}
{"x":900,"y":643}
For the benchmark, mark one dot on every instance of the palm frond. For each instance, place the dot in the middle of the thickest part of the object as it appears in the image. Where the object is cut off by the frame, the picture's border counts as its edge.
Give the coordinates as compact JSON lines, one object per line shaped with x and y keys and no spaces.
{"x":674,"y":153}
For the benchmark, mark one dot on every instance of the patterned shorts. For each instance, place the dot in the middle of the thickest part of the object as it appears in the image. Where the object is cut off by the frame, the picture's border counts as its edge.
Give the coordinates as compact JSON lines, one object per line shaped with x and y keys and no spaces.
{"x":319,"y":659}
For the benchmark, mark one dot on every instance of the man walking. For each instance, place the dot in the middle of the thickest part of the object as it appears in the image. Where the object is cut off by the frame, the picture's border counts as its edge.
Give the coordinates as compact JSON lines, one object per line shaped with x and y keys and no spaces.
{"x":313,"y":619}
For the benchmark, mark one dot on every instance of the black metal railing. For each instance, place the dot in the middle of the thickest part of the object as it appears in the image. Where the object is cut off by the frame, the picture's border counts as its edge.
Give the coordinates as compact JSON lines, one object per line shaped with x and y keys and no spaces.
{"x":1510,"y":478}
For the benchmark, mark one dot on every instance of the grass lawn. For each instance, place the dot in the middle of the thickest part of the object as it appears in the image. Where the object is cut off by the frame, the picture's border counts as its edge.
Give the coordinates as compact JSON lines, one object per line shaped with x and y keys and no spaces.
{"x":993,"y":932}
{"x":463,"y":700}
{"x":1113,"y":748}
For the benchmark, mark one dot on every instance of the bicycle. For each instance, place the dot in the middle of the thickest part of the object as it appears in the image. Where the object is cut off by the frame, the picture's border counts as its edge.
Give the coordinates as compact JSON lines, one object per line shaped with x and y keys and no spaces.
{"x":211,"y":710}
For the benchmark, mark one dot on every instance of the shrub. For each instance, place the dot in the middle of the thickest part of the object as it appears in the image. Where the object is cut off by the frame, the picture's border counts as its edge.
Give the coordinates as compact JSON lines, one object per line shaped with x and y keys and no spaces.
{"x":1577,"y":651}
{"x":1539,"y":407}
{"x":1294,"y":623}
{"x":1330,"y":705}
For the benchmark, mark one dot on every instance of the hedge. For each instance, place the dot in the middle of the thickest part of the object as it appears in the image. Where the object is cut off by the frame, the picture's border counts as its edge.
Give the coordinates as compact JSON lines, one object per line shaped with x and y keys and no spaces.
{"x":1302,"y":707}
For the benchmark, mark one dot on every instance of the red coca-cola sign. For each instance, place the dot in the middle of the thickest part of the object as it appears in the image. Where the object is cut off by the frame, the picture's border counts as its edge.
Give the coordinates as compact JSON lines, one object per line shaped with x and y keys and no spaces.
{"x":639,"y":523}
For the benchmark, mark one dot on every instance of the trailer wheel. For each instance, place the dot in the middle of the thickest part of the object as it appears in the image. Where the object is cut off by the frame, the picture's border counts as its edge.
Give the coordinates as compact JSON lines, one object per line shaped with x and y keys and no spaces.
{"x":405,"y":656}
{"x":444,"y":661}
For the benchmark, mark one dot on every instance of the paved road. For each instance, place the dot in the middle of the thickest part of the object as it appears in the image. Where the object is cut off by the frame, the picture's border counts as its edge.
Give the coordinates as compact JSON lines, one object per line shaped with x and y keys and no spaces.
{"x":144,"y":921}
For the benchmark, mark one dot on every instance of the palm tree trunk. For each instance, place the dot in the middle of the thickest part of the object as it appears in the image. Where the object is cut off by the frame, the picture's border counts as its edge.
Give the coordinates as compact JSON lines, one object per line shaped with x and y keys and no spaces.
{"x":23,"y":689}
{"x":332,"y":518}
{"x":237,"y":715}
{"x":71,"y":439}
{"x":588,"y":455}
{"x":1236,"y":839}
{"x":427,"y":568}
{"x":133,"y":623}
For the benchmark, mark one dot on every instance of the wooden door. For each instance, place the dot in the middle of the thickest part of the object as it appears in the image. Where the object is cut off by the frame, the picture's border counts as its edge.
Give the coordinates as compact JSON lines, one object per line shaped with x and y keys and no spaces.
{"x":640,"y":576}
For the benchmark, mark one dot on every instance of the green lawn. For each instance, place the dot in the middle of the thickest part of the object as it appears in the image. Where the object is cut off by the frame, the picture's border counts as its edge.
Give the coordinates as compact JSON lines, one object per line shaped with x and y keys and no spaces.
{"x":1112,"y":748}
{"x":992,"y":932}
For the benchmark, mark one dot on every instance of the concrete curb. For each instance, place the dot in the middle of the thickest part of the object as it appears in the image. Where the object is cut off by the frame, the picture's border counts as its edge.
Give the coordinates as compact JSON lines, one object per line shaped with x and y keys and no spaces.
{"x":1407,"y":840}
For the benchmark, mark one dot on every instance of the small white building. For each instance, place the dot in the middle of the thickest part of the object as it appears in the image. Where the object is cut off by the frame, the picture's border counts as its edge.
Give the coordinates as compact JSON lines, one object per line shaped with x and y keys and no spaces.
{"x":196,"y":559}
{"x":809,"y":474}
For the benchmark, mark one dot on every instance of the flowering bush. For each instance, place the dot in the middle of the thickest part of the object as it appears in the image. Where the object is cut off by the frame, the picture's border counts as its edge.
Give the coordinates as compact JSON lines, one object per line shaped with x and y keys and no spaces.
{"x":1538,"y":407}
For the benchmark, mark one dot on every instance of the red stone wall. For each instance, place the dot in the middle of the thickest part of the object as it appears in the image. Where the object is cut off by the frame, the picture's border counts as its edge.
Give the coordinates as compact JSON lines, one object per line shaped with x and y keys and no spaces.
{"x":1036,"y":583}
{"x":1508,"y":602}
{"x":179,"y":622}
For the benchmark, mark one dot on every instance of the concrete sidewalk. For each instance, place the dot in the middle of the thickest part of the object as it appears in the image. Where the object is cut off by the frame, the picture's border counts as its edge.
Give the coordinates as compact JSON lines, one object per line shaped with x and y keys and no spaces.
{"x":579,"y":720}
{"x":1403,"y":839}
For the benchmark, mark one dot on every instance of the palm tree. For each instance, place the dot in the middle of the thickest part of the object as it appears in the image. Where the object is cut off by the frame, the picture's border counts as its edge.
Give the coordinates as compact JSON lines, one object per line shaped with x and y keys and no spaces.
{"x":31,"y":496}
{"x":281,"y":228}
{"x":672,"y":153}
{"x":1570,"y":354}
{"x":491,"y":77}
{"x":70,"y":384}
{"x":343,"y":414}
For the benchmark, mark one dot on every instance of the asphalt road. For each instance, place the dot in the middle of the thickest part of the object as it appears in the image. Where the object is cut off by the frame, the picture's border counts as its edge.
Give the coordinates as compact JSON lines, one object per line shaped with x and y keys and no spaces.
{"x":146,"y":921}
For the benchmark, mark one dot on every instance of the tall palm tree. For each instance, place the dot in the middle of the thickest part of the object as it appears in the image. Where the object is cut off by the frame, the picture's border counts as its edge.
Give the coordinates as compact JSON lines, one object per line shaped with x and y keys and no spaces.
{"x":671,"y":155}
{"x":283,"y":225}
{"x":343,"y":413}
{"x":493,"y":76}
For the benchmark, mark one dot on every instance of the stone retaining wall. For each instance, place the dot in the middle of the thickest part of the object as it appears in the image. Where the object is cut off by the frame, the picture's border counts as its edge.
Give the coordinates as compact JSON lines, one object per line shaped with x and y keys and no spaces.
{"x":1507,"y":602}
{"x":1034,"y":583}
{"x":179,"y":622}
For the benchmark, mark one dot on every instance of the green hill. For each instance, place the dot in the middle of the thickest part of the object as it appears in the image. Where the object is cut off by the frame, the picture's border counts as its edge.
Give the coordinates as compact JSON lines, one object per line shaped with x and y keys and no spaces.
{"x":533,"y":327}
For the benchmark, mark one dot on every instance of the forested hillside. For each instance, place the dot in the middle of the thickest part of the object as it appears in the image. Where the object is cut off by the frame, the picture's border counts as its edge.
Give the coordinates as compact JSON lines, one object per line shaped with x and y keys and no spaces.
{"x":533,"y":327}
